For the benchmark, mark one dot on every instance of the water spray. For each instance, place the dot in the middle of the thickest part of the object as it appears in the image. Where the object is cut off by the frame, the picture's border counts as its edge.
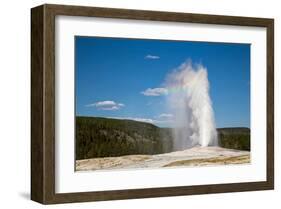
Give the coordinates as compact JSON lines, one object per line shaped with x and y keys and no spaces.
{"x":189,"y":100}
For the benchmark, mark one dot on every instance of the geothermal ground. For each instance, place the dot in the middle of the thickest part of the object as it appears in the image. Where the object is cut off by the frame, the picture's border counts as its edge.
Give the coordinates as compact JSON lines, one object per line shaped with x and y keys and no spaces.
{"x":196,"y":156}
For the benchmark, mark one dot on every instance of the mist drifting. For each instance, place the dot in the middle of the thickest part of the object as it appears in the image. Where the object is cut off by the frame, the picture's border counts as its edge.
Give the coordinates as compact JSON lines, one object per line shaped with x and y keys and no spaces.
{"x":189,"y":100}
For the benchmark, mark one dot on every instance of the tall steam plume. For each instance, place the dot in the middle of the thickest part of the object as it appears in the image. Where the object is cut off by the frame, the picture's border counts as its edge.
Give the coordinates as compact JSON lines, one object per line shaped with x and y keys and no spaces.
{"x":189,"y":100}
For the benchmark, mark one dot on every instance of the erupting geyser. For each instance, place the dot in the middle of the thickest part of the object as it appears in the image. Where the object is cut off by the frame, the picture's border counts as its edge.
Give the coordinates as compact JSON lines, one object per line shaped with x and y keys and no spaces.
{"x":189,"y":100}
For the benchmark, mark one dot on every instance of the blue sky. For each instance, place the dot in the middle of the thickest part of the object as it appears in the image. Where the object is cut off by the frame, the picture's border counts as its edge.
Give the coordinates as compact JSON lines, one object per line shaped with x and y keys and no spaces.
{"x":113,"y":77}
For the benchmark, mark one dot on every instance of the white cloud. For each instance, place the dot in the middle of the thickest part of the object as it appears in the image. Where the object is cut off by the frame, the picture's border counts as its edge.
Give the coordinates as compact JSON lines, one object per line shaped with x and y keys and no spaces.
{"x":166,"y":116}
{"x":106,"y":105}
{"x":146,"y":120}
{"x":155,"y":92}
{"x":152,"y":57}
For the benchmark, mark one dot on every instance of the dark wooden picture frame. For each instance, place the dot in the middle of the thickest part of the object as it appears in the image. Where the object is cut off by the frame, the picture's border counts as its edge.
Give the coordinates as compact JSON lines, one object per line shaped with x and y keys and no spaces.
{"x":43,"y":103}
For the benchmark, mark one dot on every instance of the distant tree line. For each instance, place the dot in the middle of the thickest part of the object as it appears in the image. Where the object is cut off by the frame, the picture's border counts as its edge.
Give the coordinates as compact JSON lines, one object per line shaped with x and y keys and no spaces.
{"x":234,"y":138}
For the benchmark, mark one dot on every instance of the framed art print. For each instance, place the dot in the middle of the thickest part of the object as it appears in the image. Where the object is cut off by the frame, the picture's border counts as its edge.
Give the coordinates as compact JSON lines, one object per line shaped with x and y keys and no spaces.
{"x":134,"y":104}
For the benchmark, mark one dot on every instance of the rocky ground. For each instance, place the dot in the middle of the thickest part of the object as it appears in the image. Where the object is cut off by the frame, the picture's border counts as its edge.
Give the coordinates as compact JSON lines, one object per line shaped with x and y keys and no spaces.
{"x":196,"y":156}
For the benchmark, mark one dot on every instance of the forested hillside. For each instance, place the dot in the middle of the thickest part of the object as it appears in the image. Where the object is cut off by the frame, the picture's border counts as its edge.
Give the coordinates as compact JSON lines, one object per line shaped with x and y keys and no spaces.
{"x":103,"y":137}
{"x":234,"y":138}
